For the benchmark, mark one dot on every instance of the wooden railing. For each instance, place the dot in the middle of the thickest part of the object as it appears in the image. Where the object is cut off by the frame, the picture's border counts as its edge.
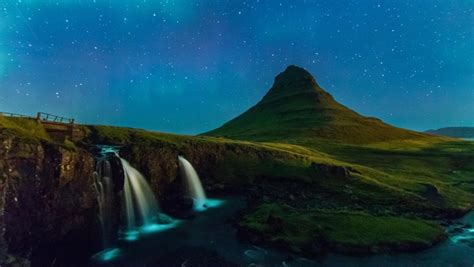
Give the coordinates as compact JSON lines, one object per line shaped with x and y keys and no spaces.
{"x":41,"y":116}
{"x":9,"y":114}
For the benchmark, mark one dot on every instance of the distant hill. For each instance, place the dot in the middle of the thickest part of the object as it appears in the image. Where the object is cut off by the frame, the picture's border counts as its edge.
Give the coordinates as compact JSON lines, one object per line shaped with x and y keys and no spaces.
{"x":459,"y":132}
{"x":297,"y":108}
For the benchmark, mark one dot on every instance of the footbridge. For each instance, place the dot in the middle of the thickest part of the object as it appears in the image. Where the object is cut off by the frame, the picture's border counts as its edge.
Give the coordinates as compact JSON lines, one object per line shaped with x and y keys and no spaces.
{"x":59,"y":128}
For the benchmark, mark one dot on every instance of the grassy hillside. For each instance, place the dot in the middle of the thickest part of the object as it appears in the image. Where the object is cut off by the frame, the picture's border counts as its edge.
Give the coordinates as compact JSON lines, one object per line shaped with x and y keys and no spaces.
{"x":308,"y":231}
{"x":379,"y":183}
{"x":297,"y":115}
{"x":25,"y":128}
{"x":431,"y":177}
{"x":396,"y":168}
{"x":296,"y":108}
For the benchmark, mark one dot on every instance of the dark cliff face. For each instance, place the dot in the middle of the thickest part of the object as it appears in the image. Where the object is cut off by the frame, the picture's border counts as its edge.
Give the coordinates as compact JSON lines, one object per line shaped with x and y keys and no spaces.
{"x":231,"y":168}
{"x":46,"y":197}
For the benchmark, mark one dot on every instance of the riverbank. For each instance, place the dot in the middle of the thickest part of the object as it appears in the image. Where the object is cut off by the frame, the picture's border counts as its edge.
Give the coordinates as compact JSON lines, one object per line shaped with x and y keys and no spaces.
{"x":313,"y":232}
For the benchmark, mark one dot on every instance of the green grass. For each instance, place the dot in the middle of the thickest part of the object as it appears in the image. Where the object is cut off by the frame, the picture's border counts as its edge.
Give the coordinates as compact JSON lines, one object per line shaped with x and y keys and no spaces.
{"x":301,"y":230}
{"x":23,"y":128}
{"x":298,"y":117}
{"x":444,"y":164}
{"x":28,"y":130}
{"x":297,"y":109}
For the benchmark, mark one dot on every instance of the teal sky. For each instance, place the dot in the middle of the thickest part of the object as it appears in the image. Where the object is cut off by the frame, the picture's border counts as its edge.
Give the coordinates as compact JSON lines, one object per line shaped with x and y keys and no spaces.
{"x":189,"y":66}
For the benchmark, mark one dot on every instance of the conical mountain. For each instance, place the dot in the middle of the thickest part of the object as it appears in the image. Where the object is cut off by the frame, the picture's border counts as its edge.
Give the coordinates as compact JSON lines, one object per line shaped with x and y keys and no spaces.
{"x":296,"y":108}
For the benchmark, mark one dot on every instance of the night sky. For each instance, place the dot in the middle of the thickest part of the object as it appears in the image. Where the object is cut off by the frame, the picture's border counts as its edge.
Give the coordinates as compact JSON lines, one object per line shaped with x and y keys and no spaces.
{"x":188,"y":66}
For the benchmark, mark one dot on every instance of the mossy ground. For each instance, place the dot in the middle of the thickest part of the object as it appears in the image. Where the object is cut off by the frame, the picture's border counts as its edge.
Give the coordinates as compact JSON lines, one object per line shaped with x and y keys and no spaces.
{"x":307,"y":231}
{"x":23,"y":128}
{"x":28,"y":130}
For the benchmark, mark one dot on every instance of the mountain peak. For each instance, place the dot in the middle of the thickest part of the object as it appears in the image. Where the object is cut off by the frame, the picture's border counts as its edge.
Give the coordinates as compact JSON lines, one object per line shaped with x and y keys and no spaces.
{"x":293,"y":72}
{"x":294,"y":81}
{"x":296,"y":109}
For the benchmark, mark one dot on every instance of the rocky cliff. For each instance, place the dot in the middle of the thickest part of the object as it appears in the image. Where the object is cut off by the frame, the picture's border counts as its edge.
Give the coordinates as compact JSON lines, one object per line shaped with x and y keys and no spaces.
{"x":46,"y":197}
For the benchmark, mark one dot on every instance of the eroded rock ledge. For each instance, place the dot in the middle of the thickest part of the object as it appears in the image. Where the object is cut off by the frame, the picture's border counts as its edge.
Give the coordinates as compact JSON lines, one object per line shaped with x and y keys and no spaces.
{"x":46,"y":195}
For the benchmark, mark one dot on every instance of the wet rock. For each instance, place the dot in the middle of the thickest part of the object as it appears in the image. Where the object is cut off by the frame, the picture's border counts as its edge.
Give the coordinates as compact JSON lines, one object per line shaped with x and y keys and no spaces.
{"x":46,"y":193}
{"x":178,"y":206}
{"x":326,"y":170}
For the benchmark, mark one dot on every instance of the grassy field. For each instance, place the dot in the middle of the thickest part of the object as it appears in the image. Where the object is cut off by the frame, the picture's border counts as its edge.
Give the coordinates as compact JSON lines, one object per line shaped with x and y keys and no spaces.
{"x":306,"y":231}
{"x":24,"y":128}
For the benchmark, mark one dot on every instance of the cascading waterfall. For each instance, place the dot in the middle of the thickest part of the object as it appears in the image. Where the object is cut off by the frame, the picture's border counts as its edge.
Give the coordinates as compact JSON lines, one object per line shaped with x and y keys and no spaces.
{"x":104,"y":187}
{"x":141,"y":207}
{"x":138,"y":196}
{"x":193,"y":182}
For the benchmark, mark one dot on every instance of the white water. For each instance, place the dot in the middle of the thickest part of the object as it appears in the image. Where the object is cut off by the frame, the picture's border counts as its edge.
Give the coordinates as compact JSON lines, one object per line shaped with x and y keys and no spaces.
{"x":141,"y":207}
{"x":193,"y":182}
{"x":104,"y":187}
{"x":138,"y":196}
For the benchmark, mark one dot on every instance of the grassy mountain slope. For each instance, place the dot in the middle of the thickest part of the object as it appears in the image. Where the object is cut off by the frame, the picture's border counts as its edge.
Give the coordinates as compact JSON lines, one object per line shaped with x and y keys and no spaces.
{"x":296,"y":108}
{"x":298,"y":115}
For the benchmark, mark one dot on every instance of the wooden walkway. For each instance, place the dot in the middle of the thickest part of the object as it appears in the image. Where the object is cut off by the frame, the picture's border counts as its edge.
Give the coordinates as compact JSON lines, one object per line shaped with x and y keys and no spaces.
{"x":59,"y":128}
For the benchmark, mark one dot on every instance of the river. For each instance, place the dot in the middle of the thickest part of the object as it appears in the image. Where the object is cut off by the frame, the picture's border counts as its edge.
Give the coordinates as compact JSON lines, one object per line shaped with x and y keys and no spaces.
{"x":210,"y":240}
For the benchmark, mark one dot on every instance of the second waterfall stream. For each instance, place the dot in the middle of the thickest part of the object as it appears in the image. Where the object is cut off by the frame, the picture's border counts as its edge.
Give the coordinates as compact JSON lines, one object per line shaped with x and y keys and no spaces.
{"x":194,"y":186}
{"x":193,"y":183}
{"x":141,"y":207}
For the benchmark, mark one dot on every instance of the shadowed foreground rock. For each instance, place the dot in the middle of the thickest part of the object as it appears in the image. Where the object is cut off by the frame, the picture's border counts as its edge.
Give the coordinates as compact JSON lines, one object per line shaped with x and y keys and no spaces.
{"x":46,"y":195}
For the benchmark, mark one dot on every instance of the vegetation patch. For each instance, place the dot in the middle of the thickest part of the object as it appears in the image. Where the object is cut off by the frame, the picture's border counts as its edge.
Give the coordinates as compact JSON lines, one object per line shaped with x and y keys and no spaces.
{"x":314,"y":231}
{"x":23,"y":128}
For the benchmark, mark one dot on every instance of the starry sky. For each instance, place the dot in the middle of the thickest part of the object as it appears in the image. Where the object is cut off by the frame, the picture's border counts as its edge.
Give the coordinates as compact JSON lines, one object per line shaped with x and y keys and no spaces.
{"x":188,"y":66}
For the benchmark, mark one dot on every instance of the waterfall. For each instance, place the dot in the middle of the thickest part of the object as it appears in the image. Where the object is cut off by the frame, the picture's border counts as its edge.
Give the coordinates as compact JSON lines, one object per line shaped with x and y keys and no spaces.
{"x":138,"y":197}
{"x":104,"y":186}
{"x":141,"y":207}
{"x":193,"y":182}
